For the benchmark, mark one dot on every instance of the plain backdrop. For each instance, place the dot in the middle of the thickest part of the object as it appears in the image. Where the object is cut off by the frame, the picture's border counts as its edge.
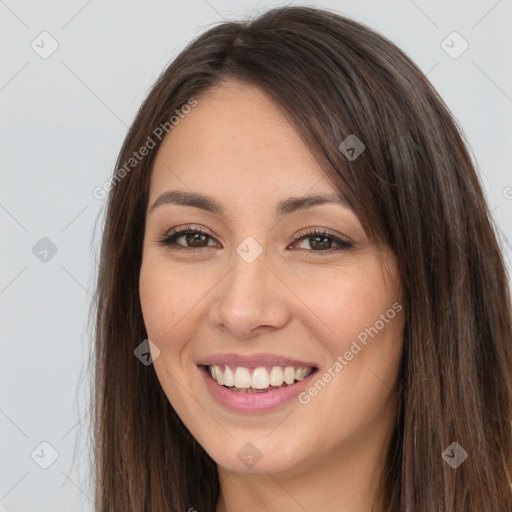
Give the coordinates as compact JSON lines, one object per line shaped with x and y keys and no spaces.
{"x":63,"y":118}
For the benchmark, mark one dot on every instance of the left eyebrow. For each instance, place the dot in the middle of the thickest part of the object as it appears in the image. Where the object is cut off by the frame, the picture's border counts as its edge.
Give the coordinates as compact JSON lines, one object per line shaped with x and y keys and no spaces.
{"x":293,"y":204}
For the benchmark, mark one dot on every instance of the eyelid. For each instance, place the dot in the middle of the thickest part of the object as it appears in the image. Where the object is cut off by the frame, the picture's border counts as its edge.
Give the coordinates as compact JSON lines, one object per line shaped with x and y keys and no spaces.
{"x":324,"y":231}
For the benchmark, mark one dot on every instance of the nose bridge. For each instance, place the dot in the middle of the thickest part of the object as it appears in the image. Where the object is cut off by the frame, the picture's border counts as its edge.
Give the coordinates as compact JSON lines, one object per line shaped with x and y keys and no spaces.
{"x":250,"y":297}
{"x":250,"y":269}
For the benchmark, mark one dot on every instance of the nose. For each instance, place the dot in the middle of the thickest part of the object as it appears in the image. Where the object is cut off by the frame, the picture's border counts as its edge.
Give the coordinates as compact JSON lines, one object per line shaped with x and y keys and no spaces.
{"x":251,"y":299}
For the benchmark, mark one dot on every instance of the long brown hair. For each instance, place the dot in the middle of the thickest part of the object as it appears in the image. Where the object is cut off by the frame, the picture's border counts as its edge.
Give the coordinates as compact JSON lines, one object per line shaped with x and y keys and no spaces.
{"x":414,"y":187}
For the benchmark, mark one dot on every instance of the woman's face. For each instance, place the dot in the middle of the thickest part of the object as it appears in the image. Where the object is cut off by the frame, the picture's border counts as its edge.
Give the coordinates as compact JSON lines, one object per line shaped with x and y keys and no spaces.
{"x":260,"y":298}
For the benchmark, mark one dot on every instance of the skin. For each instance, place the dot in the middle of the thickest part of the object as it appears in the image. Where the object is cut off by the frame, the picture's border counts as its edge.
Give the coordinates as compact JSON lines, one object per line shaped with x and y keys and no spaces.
{"x":327,"y":455}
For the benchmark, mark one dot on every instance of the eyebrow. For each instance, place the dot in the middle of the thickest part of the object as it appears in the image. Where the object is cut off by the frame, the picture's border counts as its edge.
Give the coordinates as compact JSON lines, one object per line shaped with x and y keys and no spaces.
{"x":209,"y":204}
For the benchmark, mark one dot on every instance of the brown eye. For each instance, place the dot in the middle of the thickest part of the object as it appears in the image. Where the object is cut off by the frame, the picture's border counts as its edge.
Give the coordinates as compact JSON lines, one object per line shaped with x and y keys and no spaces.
{"x":322,"y":241}
{"x":193,"y":238}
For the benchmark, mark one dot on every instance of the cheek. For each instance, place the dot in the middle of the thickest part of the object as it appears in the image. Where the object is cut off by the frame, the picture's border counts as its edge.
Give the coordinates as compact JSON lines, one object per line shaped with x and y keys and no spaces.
{"x":355,"y":389}
{"x":167,"y":305}
{"x":342,"y":306}
{"x":156,"y":301}
{"x":359,"y":320}
{"x":160,"y":305}
{"x":167,"y":299}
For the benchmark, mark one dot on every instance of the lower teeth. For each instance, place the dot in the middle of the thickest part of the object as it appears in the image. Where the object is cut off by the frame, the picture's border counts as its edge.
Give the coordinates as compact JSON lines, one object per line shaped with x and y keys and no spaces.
{"x":252,"y":390}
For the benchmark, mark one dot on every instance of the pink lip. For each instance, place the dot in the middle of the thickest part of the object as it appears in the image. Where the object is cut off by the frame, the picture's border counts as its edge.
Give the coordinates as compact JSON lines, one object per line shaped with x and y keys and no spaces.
{"x":254,"y":361}
{"x":254,"y":402}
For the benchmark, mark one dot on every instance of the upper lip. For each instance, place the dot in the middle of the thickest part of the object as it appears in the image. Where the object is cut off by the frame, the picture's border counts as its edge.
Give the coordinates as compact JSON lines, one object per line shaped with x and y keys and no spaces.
{"x":254,"y":360}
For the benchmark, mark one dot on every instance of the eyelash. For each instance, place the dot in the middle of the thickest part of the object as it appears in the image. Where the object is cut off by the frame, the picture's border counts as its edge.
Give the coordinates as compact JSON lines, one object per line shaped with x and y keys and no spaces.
{"x":170,"y":237}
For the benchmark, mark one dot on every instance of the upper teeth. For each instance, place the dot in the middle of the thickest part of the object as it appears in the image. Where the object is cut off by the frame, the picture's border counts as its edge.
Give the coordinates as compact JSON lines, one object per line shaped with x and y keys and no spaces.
{"x":260,"y":379}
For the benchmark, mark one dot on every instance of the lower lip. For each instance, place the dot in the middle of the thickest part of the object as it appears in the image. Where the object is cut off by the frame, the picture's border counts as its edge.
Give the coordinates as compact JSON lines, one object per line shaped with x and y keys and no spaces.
{"x":253,"y":402}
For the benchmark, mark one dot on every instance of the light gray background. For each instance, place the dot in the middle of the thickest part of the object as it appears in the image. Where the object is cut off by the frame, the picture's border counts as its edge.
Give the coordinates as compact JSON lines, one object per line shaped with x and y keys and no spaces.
{"x":63,"y":120}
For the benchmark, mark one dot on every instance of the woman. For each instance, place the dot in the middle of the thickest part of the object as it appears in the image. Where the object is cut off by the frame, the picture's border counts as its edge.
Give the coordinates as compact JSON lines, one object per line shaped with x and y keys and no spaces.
{"x":301,"y":302}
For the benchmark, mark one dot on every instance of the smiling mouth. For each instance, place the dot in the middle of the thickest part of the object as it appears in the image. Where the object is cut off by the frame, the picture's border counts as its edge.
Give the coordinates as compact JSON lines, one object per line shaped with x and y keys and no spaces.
{"x":259,"y":379}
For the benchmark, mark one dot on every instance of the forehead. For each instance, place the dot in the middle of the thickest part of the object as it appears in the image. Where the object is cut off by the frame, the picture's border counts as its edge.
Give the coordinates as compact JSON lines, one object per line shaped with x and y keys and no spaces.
{"x":236,"y":138}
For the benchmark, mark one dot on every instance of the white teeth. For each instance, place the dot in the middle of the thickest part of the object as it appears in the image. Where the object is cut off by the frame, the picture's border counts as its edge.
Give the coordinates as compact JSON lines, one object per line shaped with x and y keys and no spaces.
{"x":261,"y":379}
{"x":229,"y":378}
{"x":219,"y":375}
{"x":300,"y":373}
{"x":289,"y":375}
{"x":242,"y":378}
{"x":276,"y":376}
